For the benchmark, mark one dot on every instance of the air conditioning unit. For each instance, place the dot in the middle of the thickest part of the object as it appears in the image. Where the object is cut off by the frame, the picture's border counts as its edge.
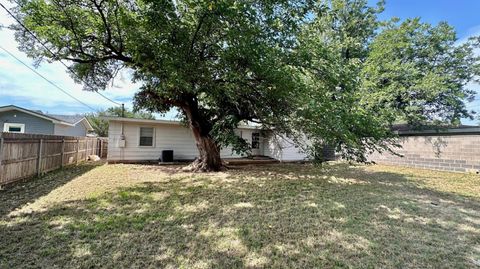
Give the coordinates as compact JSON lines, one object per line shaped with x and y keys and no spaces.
{"x":167,"y":156}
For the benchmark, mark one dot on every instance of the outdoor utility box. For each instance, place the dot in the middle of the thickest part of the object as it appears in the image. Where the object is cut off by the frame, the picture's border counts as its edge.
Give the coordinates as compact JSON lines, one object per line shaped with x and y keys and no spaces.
{"x":167,"y":156}
{"x":121,"y":142}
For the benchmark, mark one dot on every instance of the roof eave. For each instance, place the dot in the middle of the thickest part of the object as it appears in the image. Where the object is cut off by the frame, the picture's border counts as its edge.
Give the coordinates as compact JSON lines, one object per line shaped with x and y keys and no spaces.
{"x":172,"y":122}
{"x":33,"y":113}
{"x":120,"y":119}
{"x":86,"y":123}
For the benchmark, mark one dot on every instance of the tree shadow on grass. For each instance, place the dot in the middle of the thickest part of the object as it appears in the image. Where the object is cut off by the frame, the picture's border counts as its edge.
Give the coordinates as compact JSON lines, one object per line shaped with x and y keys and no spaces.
{"x":27,"y":191}
{"x":272,"y":216}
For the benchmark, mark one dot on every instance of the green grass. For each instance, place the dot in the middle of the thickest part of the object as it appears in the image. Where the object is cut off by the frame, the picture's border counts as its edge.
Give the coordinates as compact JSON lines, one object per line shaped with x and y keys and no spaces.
{"x":281,"y":216}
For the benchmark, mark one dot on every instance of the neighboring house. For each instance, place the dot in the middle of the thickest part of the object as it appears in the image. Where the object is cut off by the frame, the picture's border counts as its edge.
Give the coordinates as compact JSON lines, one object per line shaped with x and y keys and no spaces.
{"x":15,"y":119}
{"x":143,"y":140}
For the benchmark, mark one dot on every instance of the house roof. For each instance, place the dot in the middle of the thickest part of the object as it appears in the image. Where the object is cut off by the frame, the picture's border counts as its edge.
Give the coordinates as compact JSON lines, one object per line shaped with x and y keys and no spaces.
{"x":73,"y":119}
{"x":172,"y":122}
{"x":69,"y":120}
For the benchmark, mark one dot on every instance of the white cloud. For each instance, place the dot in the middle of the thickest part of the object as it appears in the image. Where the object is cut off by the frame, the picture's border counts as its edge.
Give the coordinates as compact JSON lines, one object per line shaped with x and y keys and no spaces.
{"x":28,"y":84}
{"x":473,"y":31}
{"x":18,"y":83}
{"x":22,"y":87}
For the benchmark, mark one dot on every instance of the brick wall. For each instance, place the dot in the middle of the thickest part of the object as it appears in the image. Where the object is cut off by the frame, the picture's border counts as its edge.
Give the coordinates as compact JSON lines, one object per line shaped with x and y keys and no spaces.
{"x":459,"y":153}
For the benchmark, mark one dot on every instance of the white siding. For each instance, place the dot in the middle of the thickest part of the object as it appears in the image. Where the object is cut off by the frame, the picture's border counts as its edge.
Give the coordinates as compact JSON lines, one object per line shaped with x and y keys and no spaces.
{"x":180,"y":140}
{"x":167,"y":137}
{"x":283,"y":149}
{"x":77,"y":130}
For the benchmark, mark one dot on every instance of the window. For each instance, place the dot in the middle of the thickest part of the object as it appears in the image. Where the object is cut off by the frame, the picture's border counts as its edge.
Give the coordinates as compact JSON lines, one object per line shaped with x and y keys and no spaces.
{"x":255,"y":140}
{"x":14,"y":127}
{"x":146,"y":136}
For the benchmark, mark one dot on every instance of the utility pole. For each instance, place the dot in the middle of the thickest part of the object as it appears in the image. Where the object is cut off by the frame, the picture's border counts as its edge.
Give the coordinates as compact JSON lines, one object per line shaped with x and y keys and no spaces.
{"x":123,"y":110}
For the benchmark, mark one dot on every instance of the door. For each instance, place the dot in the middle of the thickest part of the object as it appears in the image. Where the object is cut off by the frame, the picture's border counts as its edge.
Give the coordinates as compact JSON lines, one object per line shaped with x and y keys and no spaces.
{"x":257,"y":147}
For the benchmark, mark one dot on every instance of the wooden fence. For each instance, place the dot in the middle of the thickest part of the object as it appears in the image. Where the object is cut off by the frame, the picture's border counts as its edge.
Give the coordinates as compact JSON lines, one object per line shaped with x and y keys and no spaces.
{"x":27,"y":155}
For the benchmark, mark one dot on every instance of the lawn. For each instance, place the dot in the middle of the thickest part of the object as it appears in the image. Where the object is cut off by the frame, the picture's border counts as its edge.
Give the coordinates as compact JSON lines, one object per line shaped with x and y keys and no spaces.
{"x":281,"y":216}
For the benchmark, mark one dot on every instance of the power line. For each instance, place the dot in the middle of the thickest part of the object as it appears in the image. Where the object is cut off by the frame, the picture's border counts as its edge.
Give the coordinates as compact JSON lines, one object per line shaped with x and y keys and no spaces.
{"x":54,"y":55}
{"x":46,"y":79}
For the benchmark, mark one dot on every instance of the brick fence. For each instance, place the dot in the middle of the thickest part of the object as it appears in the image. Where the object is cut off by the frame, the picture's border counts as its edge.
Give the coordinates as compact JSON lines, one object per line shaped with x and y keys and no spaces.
{"x":448,"y":152}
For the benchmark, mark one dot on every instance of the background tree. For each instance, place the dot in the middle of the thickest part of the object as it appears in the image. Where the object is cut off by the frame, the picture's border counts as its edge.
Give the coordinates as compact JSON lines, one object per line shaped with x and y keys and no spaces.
{"x":100,"y":125}
{"x":416,"y":73}
{"x":365,"y":75}
{"x":334,"y":47}
{"x":304,"y":67}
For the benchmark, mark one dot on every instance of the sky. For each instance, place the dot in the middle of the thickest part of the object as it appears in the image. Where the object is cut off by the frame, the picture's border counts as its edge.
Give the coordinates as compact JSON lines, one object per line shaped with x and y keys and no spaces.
{"x":21,"y":87}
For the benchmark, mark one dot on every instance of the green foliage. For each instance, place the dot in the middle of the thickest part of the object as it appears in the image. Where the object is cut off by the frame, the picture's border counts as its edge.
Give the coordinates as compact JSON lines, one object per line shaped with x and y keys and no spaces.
{"x":361,"y":76}
{"x":100,"y":125}
{"x":330,"y":61}
{"x":416,"y":73}
{"x":325,"y":70}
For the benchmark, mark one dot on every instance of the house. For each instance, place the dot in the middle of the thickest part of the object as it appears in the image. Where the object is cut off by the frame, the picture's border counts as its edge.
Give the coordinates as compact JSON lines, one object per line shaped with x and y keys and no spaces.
{"x":134,"y":140}
{"x":20,"y":120}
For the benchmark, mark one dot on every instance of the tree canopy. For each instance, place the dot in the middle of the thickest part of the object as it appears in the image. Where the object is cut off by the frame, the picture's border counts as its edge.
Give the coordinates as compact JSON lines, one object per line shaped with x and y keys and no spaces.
{"x":417,"y":73}
{"x":325,"y":70}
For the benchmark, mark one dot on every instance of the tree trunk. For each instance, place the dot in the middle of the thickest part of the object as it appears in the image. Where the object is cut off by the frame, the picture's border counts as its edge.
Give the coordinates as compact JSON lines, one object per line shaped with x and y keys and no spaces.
{"x":209,"y":153}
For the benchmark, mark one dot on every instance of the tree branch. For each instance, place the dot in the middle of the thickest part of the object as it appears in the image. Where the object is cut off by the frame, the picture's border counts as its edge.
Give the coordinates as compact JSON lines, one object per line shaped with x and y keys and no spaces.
{"x":104,"y":20}
{"x":197,"y":30}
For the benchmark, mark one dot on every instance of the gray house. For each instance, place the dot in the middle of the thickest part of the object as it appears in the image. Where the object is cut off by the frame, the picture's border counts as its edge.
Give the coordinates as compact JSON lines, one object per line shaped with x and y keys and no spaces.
{"x":21,"y":120}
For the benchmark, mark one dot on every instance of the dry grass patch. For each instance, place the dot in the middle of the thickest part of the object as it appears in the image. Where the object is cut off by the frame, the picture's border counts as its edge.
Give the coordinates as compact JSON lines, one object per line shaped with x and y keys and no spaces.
{"x":282,"y":216}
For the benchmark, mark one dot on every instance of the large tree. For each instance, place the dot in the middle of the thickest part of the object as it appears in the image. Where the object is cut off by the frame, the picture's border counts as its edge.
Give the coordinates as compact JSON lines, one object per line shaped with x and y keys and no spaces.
{"x":218,"y":62}
{"x":302,"y":67}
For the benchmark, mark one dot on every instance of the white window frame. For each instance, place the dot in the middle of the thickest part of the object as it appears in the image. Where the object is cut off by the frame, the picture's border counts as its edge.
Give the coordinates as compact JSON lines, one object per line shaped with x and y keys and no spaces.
{"x":153,"y":137}
{"x":7,"y":125}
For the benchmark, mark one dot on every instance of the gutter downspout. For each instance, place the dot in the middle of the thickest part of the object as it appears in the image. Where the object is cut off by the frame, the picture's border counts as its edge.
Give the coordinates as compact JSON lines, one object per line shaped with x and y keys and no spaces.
{"x":122,"y":136}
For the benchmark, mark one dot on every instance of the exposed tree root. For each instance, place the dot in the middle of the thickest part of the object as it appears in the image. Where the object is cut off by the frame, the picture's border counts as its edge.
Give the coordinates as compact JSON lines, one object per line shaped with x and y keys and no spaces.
{"x":199,"y":166}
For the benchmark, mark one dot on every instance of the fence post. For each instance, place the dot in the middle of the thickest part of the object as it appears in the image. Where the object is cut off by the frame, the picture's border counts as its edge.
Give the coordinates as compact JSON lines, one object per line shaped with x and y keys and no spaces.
{"x":78,"y":147}
{"x":86,"y":149}
{"x":99,"y":148}
{"x":39,"y":159}
{"x":1,"y":160}
{"x":63,"y":153}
